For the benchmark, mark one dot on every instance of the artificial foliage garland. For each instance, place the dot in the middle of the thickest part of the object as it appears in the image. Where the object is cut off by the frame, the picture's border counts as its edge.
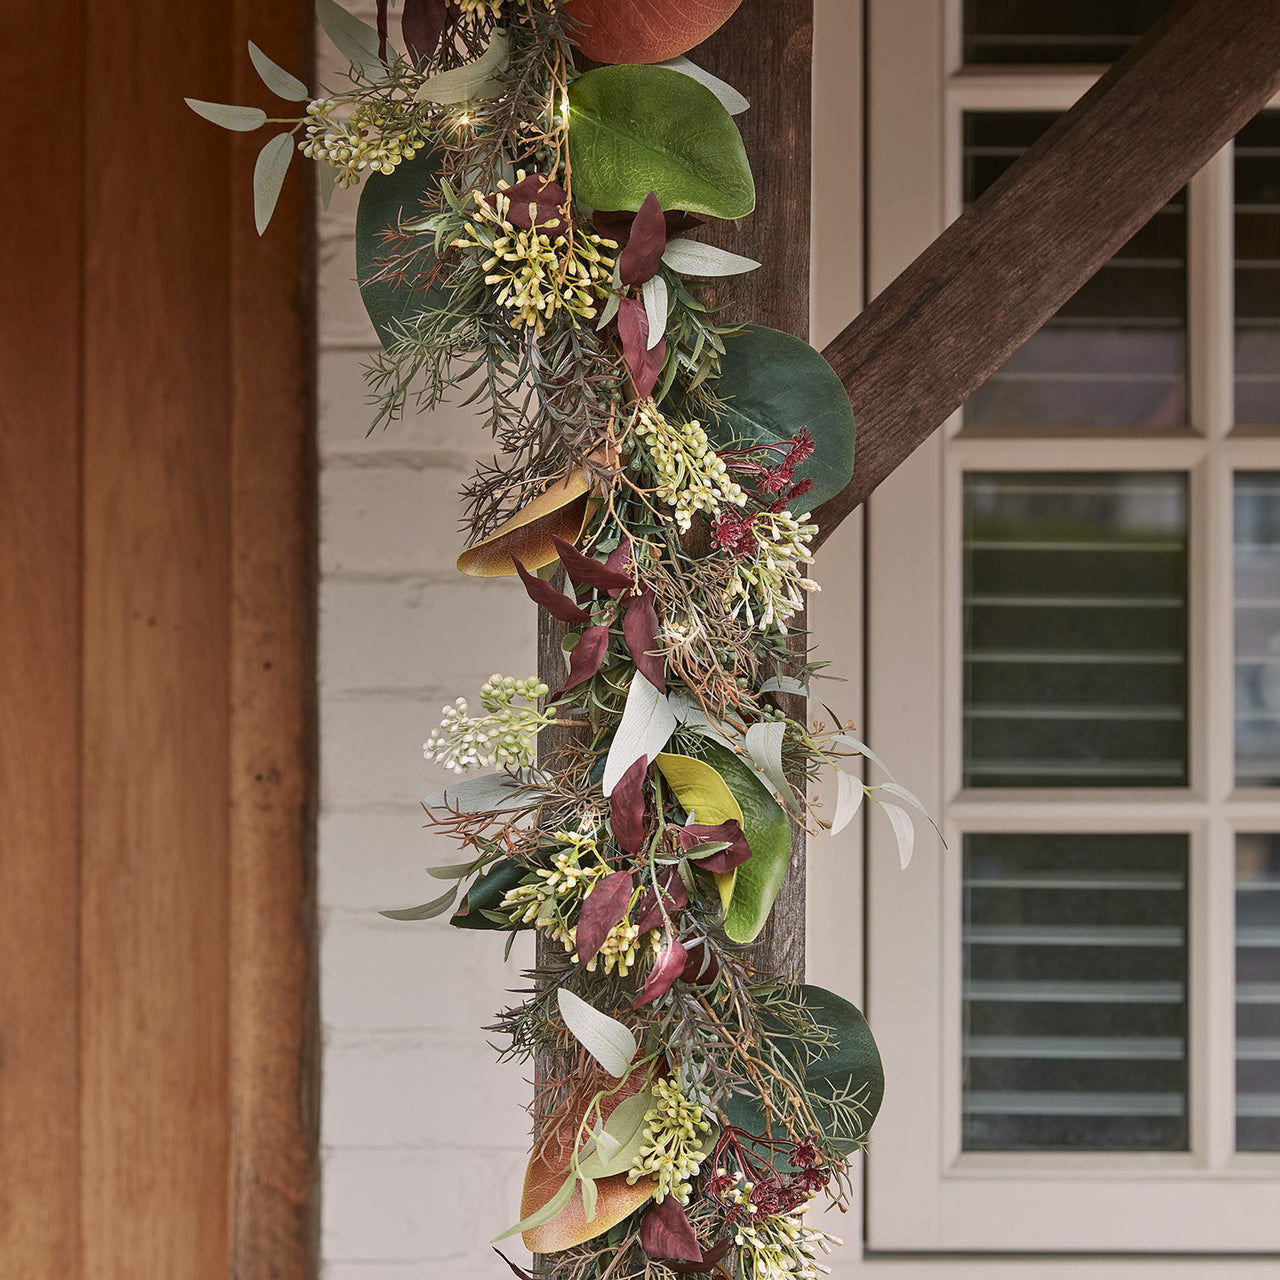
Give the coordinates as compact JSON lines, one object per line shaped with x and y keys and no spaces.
{"x":527,"y":227}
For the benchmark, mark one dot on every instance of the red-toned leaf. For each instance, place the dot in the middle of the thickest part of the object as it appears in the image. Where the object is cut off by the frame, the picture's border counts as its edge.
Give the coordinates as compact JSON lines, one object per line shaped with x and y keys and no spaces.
{"x":709,"y":1259}
{"x":520,"y":1271}
{"x":587,"y":571}
{"x":601,"y":909}
{"x":645,"y":362}
{"x":638,"y":262}
{"x":615,"y":225}
{"x":620,"y":561}
{"x":382,"y":29}
{"x":540,"y":198}
{"x":610,"y":31}
{"x":696,"y":833}
{"x":422,"y":24}
{"x":640,"y":630}
{"x":674,"y":895}
{"x":556,"y":603}
{"x":701,"y":965}
{"x":665,"y":1233}
{"x":588,"y":656}
{"x":626,"y":812}
{"x":669,"y":966}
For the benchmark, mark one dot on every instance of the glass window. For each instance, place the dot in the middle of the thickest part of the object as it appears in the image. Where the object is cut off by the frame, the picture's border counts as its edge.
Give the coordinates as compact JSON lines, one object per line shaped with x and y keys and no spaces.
{"x":1033,"y":31}
{"x":1075,"y":992}
{"x":1257,"y":260}
{"x":1257,"y":628}
{"x":1075,"y":629}
{"x":1115,"y":355}
{"x":1258,"y":993}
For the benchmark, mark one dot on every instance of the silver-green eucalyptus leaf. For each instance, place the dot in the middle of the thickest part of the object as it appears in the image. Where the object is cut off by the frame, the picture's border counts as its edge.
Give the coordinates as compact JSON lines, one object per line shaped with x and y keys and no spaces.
{"x":589,"y":1195}
{"x":654,"y":293}
{"x":545,"y":1214}
{"x":764,"y":746}
{"x":849,"y":793}
{"x":328,"y":181}
{"x":239,"y":119}
{"x":785,"y":684}
{"x":428,"y":910}
{"x":732,"y":101}
{"x":904,"y":831}
{"x":475,"y":80}
{"x":693,"y":258}
{"x":610,"y":1043}
{"x":276,"y":78}
{"x":357,"y":41}
{"x":268,"y":177}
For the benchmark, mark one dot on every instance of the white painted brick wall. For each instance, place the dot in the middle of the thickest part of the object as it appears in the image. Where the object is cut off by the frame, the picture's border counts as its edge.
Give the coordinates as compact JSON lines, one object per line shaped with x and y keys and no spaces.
{"x":423,"y":1135}
{"x":423,"y":1132}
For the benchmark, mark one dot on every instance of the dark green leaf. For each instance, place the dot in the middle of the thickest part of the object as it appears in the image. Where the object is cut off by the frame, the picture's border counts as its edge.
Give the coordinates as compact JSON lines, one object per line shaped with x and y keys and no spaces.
{"x":636,"y":129}
{"x":849,"y":1068}
{"x":485,"y":895}
{"x":775,"y":384}
{"x":387,"y":200}
{"x":428,"y":910}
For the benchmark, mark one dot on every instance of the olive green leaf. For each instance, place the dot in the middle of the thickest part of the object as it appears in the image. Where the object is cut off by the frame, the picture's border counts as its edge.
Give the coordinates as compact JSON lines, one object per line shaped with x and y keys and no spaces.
{"x":268,"y":177}
{"x":636,"y":129}
{"x":428,"y":910}
{"x":610,"y":1043}
{"x":546,"y":1213}
{"x":357,"y":41}
{"x":845,"y":1082}
{"x":476,"y":79}
{"x":240,"y":119}
{"x":276,"y":78}
{"x":774,"y":384}
{"x":387,"y":200}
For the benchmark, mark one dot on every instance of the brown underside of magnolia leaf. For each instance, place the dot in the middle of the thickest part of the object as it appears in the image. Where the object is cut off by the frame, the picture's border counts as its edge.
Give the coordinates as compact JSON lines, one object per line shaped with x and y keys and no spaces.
{"x":644,"y":30}
{"x":549,"y":1166}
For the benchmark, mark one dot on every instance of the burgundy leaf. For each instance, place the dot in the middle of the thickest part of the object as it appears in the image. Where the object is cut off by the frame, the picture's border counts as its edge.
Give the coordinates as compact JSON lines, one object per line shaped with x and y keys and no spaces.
{"x":536,"y":197}
{"x":520,"y":1271}
{"x":587,"y":571}
{"x":644,"y":362}
{"x":669,"y":966}
{"x":665,"y":1233}
{"x":556,"y":603}
{"x":382,"y":29}
{"x":422,"y":24}
{"x":709,"y":1259}
{"x":626,"y":812}
{"x":601,"y":909}
{"x":701,"y":966}
{"x":640,"y":630}
{"x":674,"y":895}
{"x":616,"y":224}
{"x":588,"y":656}
{"x":696,"y":833}
{"x":639,"y":261}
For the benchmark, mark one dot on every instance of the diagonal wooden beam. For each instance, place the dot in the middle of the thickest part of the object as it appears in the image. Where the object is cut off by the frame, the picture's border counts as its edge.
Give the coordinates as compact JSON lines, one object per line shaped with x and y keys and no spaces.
{"x":985,"y":285}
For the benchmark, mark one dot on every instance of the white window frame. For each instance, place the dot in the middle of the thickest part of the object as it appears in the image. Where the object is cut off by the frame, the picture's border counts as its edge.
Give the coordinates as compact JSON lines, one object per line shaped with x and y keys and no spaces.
{"x":923,"y":1192}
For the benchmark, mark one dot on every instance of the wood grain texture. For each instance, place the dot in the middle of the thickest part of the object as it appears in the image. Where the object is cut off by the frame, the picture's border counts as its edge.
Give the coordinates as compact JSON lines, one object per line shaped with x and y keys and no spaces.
{"x":998,"y":273}
{"x":154,"y":933}
{"x":40,"y":654}
{"x":273,"y":995}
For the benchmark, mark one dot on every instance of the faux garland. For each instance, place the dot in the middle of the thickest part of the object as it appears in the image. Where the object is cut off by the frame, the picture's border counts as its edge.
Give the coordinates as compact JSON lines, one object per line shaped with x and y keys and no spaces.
{"x":527,"y":229}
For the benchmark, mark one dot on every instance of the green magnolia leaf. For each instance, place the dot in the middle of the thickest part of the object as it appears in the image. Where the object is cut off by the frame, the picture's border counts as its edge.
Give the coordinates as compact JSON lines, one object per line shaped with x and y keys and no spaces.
{"x":268,"y":177}
{"x":428,"y":910}
{"x":276,"y":78}
{"x":486,"y":894}
{"x":845,"y":1084}
{"x":387,"y":200}
{"x":240,"y":119}
{"x":775,"y":384}
{"x":636,"y":129}
{"x":768,"y":832}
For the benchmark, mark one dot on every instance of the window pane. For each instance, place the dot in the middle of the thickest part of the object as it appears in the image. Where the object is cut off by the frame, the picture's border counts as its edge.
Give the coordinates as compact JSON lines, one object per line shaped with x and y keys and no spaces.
{"x":1258,"y":993}
{"x":1115,"y":354}
{"x":1257,"y":221}
{"x":1257,"y":618}
{"x":1075,"y":629}
{"x":1075,"y":1008}
{"x":1030,"y":31}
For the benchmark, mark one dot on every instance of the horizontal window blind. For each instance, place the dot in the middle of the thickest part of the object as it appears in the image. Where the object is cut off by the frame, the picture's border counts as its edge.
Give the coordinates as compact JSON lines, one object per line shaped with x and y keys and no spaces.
{"x":1258,"y":993}
{"x":1257,"y":628}
{"x":1257,"y":274}
{"x":1031,"y":31}
{"x":1075,"y":1011}
{"x":1075,"y":629}
{"x":1115,"y":355}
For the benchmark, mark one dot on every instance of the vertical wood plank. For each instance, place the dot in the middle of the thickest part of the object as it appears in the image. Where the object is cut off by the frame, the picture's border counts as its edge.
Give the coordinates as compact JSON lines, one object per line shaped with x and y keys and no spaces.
{"x":154,"y":932}
{"x":274,"y":1060}
{"x":766,"y":52}
{"x":40,"y":653}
